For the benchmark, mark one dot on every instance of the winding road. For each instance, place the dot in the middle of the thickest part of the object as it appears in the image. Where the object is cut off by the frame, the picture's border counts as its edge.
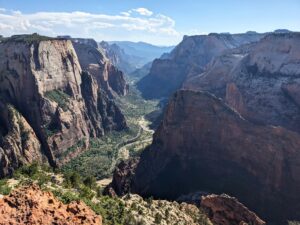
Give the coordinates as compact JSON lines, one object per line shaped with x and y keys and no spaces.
{"x":122,"y":152}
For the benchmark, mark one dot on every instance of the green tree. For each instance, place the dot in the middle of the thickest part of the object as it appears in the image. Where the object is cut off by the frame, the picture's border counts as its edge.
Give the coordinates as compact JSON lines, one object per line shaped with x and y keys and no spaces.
{"x":90,"y":182}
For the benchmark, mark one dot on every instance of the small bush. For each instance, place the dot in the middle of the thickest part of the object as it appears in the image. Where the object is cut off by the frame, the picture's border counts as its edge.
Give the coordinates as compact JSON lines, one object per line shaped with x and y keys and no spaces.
{"x":72,"y":180}
{"x":86,"y":192}
{"x":134,"y":206}
{"x":66,"y":197}
{"x":157,"y":218}
{"x":90,"y":182}
{"x":167,"y":213}
{"x":4,"y":188}
{"x":99,"y":191}
{"x":43,"y":178}
{"x":29,"y":170}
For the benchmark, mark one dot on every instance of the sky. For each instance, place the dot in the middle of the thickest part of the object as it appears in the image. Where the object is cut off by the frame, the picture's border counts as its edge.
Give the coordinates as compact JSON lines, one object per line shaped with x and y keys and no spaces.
{"x":160,"y":22}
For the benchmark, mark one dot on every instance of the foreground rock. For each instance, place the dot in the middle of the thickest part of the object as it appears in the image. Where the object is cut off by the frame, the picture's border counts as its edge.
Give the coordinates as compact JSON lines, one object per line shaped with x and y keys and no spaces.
{"x":30,"y":205}
{"x":225,"y":210}
{"x":59,"y":104}
{"x":202,"y":144}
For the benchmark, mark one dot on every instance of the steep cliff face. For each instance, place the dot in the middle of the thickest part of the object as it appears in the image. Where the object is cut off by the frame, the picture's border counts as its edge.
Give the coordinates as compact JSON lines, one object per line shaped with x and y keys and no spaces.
{"x":189,"y":58}
{"x":102,"y":112}
{"x":261,"y":82}
{"x":42,"y":80}
{"x":108,"y":77}
{"x":204,"y":145}
{"x":19,"y":144}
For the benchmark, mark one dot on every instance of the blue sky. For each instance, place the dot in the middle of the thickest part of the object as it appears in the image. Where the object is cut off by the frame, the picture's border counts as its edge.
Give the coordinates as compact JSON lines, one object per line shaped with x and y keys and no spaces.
{"x":161,"y":22}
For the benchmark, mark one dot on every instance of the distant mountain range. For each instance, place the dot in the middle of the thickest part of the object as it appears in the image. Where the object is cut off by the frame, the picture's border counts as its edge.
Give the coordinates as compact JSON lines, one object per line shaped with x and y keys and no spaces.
{"x":190,"y":58}
{"x":129,"y":56}
{"x":145,"y":50}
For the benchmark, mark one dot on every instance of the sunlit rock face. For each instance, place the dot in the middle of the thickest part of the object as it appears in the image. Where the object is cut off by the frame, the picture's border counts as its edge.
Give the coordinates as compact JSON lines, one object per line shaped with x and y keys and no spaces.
{"x":189,"y":58}
{"x":261,"y":81}
{"x":41,"y":79}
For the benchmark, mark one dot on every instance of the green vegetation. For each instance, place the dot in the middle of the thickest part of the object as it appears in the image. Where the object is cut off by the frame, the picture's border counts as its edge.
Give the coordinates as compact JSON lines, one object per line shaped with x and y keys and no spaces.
{"x":4,"y":188}
{"x":60,"y":97}
{"x":65,"y":197}
{"x":72,"y":188}
{"x":129,"y":210}
{"x":100,"y":159}
{"x":27,"y":38}
{"x":157,"y":219}
{"x":134,"y":106}
{"x":106,"y":152}
{"x":112,"y":210}
{"x":35,"y":172}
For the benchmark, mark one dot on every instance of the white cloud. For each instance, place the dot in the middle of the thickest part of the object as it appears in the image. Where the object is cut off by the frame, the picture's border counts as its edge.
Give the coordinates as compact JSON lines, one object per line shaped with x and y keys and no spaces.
{"x":144,"y":25}
{"x":143,"y":11}
{"x":126,"y":13}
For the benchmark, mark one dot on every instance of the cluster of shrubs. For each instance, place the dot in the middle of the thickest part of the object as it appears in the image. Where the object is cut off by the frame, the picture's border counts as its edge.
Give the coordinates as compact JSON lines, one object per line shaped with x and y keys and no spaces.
{"x":73,"y":188}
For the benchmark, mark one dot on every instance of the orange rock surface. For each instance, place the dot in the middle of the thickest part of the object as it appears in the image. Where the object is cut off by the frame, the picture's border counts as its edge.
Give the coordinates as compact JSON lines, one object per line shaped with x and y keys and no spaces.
{"x":31,"y":205}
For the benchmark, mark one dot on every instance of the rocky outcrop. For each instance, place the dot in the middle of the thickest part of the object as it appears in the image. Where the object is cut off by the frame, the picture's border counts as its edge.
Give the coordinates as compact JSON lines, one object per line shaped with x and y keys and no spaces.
{"x":261,"y":82}
{"x":42,"y":79}
{"x":203,"y":144}
{"x":92,"y":60}
{"x":225,"y":210}
{"x":30,"y":205}
{"x":189,"y":58}
{"x":122,"y":178}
